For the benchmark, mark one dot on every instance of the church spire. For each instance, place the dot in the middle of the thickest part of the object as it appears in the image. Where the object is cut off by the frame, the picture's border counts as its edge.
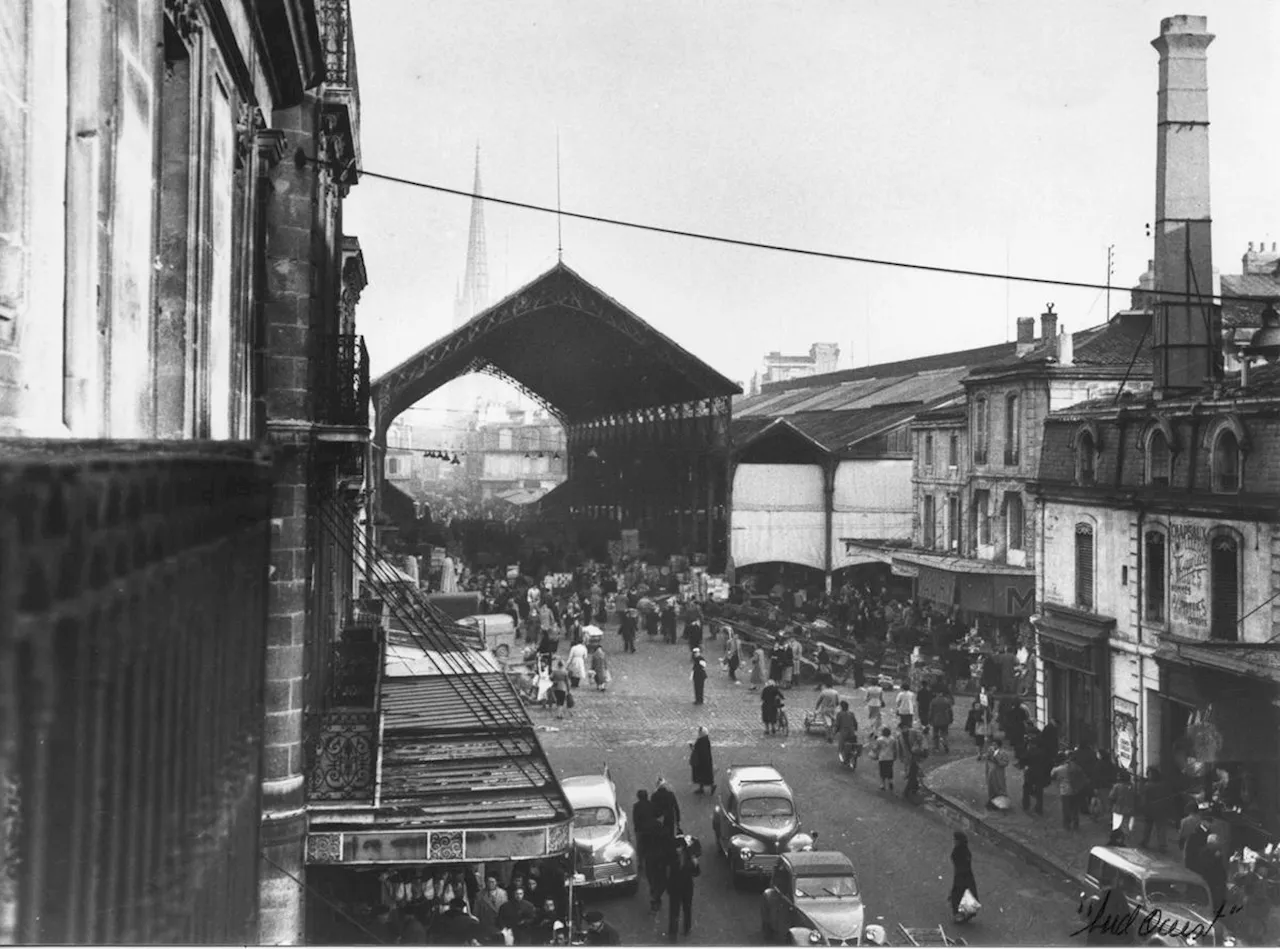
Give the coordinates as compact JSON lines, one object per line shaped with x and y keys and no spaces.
{"x":475,"y":281}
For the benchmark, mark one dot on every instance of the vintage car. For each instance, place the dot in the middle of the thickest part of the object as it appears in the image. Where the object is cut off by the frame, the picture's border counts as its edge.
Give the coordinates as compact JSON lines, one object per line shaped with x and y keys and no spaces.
{"x":603,"y":854}
{"x":755,"y":821}
{"x":813,"y":899}
{"x":1151,"y":883}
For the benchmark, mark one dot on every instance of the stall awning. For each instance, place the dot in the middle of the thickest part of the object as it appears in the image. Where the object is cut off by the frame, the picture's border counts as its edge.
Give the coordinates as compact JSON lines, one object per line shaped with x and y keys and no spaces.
{"x":1068,"y":637}
{"x":980,"y":586}
{"x":1242,"y":659}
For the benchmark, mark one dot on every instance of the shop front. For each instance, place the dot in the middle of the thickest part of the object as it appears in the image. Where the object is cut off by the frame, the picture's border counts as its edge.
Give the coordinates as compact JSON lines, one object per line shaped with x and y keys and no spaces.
{"x":416,"y":803}
{"x":1219,"y":730}
{"x":1072,"y":647}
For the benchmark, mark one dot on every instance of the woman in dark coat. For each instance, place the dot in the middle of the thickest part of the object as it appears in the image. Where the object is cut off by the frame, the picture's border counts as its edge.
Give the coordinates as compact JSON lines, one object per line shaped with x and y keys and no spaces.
{"x":704,"y":772}
{"x":770,"y":701}
{"x":962,"y":871}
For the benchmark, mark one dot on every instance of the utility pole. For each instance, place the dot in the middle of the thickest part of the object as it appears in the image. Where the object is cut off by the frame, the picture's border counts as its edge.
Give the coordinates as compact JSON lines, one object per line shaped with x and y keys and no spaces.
{"x":1111,"y":250}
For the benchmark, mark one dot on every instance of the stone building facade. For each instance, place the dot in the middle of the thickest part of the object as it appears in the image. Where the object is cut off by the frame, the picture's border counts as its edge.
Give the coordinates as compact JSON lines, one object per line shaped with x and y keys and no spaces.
{"x":1161,"y":575}
{"x":181,"y":395}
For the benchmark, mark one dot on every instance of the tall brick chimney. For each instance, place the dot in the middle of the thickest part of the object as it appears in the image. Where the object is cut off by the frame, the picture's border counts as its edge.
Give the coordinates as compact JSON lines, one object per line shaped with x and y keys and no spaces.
{"x":1049,"y":330}
{"x":1186,"y":330}
{"x":1026,"y":334}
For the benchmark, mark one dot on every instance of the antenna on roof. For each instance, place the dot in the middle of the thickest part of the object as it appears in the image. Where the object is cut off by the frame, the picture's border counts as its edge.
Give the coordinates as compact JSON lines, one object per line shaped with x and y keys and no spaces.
{"x":559,"y":219}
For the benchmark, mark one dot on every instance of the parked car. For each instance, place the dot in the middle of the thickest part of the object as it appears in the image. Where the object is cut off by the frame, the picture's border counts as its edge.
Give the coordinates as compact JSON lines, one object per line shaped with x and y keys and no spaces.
{"x":813,"y":900}
{"x":497,"y":633}
{"x":603,"y":850}
{"x":1149,"y":882}
{"x":755,"y":821}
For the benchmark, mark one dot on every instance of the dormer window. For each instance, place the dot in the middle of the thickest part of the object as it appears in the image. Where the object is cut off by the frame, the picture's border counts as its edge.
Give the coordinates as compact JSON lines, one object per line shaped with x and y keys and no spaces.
{"x":1086,"y":458}
{"x":1226,"y":462}
{"x":1159,"y":458}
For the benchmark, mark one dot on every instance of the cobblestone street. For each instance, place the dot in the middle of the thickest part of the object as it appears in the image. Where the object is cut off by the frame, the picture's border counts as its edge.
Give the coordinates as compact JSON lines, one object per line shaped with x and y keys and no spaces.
{"x":641,"y":726}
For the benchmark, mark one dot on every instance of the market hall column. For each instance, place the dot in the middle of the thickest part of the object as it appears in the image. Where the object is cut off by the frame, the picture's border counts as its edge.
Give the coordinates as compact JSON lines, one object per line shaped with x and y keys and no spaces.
{"x":829,"y":466}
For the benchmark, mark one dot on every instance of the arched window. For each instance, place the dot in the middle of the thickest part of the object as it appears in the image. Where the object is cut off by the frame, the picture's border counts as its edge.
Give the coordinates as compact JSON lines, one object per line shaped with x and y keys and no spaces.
{"x":1086,"y":458}
{"x":1014,"y":522}
{"x":1158,"y":458}
{"x":1226,"y":462}
{"x":1154,"y":573}
{"x":1224,"y":588}
{"x":981,"y":430}
{"x":1084,"y":566}
{"x":1012,"y":430}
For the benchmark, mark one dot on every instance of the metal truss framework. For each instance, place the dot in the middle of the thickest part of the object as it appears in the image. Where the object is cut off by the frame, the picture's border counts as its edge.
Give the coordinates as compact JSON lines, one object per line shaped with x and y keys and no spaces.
{"x":661,"y":467}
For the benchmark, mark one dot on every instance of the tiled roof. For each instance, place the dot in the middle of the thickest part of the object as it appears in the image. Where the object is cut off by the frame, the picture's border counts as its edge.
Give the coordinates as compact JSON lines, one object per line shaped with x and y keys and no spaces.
{"x":1238,"y":313}
{"x":965,"y":357}
{"x":1108,"y":344}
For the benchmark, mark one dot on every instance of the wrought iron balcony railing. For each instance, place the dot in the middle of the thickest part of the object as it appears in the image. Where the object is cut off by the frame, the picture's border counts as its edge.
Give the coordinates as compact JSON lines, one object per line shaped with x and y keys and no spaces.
{"x":344,"y":391}
{"x":132,"y":636}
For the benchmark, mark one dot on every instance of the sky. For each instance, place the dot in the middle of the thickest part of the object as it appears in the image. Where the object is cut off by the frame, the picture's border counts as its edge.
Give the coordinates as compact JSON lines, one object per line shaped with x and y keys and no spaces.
{"x":996,"y":135}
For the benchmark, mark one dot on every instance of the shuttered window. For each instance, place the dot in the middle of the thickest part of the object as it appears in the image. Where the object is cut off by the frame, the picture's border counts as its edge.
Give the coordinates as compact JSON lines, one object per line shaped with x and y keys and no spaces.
{"x":1158,"y":459}
{"x":930,"y":521}
{"x":928,"y":449}
{"x":1084,"y":566}
{"x":1153,"y":576}
{"x":1226,"y":463}
{"x":1224,"y":578}
{"x":982,"y":516}
{"x":1012,"y":430}
{"x":1014,"y":522}
{"x":981,"y":428}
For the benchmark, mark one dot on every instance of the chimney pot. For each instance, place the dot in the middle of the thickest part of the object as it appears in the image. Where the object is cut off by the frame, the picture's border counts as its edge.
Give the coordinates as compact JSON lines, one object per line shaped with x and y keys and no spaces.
{"x":1049,"y":329}
{"x":1026,"y":329}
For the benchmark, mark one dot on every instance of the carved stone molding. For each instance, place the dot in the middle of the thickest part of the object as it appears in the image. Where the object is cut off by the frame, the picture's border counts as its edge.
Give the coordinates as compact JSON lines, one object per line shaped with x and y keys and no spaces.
{"x":185,"y":17}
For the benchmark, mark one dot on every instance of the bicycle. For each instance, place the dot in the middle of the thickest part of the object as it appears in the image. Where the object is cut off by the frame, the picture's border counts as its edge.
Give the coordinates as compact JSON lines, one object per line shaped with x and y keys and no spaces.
{"x":784,"y":726}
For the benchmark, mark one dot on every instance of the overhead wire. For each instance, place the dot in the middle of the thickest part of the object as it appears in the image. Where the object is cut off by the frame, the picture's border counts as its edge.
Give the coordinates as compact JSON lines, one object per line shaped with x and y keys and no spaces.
{"x":482,"y":698}
{"x":761,"y":245}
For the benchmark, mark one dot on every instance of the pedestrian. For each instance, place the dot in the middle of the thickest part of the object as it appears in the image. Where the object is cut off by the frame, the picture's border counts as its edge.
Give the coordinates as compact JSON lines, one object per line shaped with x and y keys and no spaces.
{"x":906,"y":705}
{"x":885,"y":750}
{"x":559,"y":688}
{"x":684,"y":868}
{"x":997,"y":760}
{"x":489,"y":901}
{"x":645,"y":822}
{"x":699,"y":676}
{"x":630,"y":622}
{"x":577,"y":663}
{"x":777,"y":656}
{"x":666,"y":808}
{"x":924,"y":703}
{"x":734,"y":654}
{"x":846,"y":732}
{"x":1212,"y":865}
{"x":1123,"y":804}
{"x":976,"y":723}
{"x":758,"y":661}
{"x":1016,"y":728}
{"x":600,"y":933}
{"x":1156,"y":802}
{"x":911,"y":751}
{"x":1049,"y":739}
{"x":650,"y":622}
{"x":693,"y":631}
{"x":1070,"y":779}
{"x":940,"y":717}
{"x":1189,"y":825}
{"x":824,"y":662}
{"x":669,"y":621}
{"x":700,"y":764}
{"x":961,"y":873}
{"x":456,"y":927}
{"x":1035,"y":777}
{"x":658,"y":864}
{"x":600,"y":668}
{"x":770,"y":702}
{"x":875,"y":704}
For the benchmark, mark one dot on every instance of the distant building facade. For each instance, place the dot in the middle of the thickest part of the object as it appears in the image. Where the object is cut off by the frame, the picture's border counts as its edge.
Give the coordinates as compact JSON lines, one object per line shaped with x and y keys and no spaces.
{"x":821,"y":358}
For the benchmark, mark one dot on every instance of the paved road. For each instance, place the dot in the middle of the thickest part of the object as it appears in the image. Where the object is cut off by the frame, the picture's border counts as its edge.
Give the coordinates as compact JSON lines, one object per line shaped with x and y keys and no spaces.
{"x":641,"y":726}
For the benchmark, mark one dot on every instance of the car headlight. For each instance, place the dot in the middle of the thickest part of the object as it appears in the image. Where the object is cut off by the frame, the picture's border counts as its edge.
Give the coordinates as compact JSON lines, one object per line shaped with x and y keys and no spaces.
{"x":815,"y":937}
{"x":800,"y":842}
{"x":746,"y":854}
{"x":624,"y":860}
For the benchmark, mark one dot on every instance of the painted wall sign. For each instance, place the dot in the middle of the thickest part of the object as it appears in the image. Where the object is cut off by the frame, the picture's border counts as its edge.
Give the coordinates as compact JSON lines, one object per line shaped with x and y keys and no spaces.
{"x":1188,"y":574}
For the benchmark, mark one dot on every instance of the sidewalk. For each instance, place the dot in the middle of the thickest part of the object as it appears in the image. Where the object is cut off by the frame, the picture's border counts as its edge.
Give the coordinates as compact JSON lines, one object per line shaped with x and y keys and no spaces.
{"x":960,"y":788}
